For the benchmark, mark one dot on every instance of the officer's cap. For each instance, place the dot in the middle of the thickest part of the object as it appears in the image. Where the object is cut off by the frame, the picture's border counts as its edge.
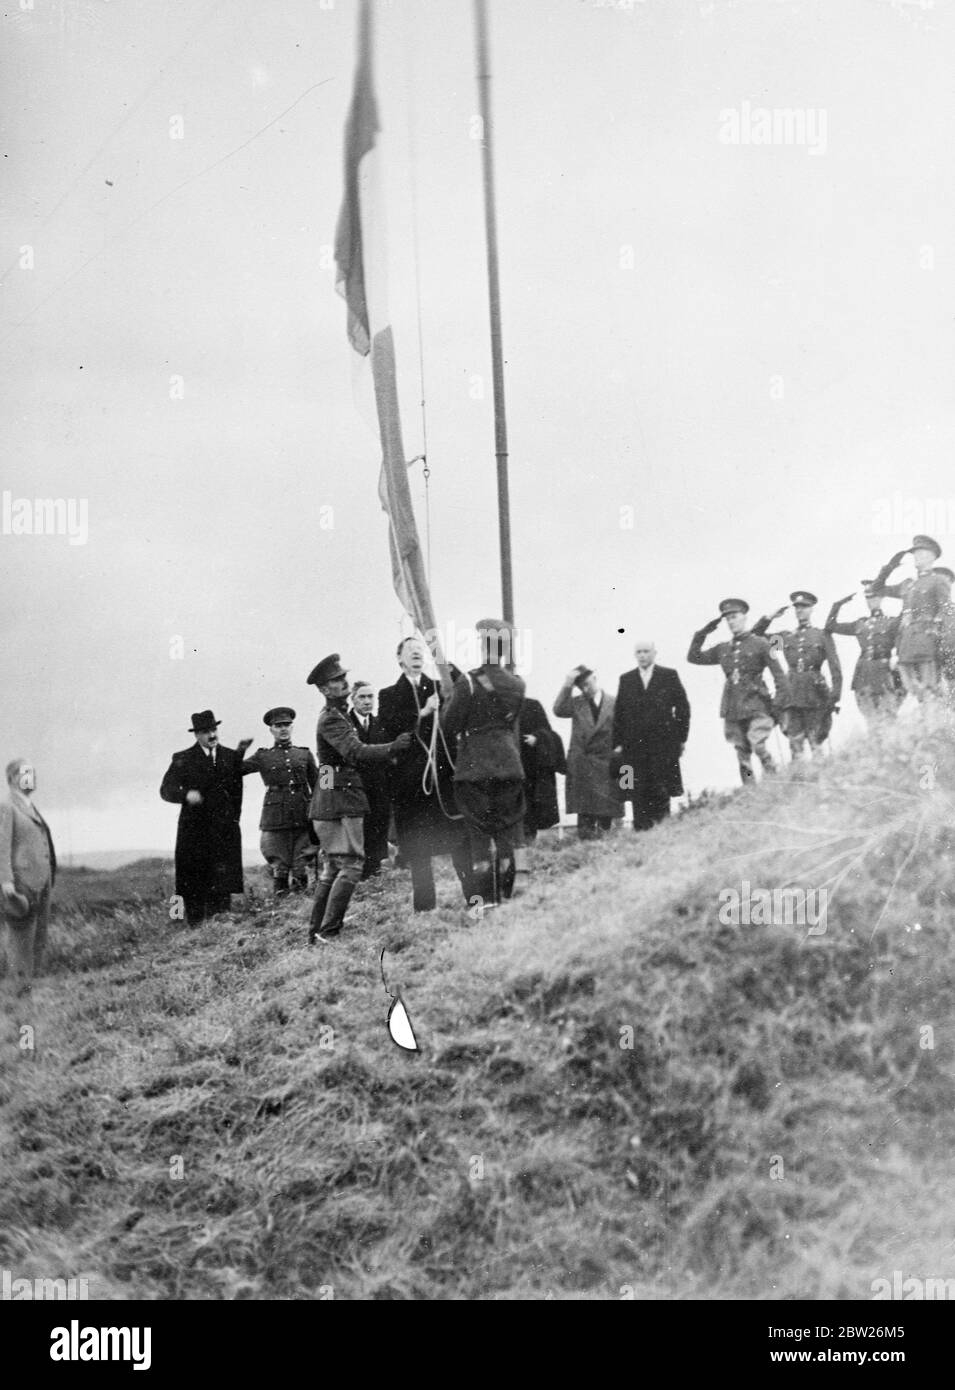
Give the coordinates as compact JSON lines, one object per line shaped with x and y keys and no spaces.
{"x":926,"y":543}
{"x":869,"y":589}
{"x":804,"y":597}
{"x":281,"y":712}
{"x":734,"y":605}
{"x":945,"y":572}
{"x":327,"y":670}
{"x":493,"y":625}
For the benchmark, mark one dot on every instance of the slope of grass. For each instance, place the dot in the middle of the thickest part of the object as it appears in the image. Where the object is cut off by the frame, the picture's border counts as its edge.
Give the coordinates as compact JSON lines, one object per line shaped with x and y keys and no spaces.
{"x":617,"y":1093}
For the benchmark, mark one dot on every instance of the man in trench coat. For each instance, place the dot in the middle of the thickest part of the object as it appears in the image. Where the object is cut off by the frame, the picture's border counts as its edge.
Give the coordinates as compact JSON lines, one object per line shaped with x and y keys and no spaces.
{"x":27,"y":872}
{"x":591,"y":791}
{"x":206,"y":781}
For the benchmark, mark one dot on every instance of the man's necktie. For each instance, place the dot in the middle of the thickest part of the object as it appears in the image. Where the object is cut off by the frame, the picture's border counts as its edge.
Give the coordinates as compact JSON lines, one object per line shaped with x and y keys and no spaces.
{"x":594,"y":708}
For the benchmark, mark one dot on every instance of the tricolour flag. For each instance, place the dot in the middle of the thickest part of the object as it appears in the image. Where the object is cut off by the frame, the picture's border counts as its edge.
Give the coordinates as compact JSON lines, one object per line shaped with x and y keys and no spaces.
{"x":360,"y":256}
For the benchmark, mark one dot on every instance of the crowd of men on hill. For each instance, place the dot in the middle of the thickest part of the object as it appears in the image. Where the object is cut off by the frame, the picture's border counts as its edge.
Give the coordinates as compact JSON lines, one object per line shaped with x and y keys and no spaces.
{"x":470,"y":771}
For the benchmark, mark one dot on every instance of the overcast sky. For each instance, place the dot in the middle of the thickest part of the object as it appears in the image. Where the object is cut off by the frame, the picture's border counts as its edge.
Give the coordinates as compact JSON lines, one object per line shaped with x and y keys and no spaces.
{"x":750,"y":345}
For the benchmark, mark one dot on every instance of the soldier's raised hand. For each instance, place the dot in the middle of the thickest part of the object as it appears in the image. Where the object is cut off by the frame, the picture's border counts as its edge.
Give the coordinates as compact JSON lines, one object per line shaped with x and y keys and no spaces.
{"x":779,"y":613}
{"x":244,"y":744}
{"x":713,"y":624}
{"x":840,"y":601}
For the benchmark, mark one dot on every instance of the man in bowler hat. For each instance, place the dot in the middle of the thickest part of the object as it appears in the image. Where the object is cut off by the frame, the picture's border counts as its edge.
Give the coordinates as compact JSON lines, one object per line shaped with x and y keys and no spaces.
{"x":27,"y":872}
{"x":747,"y":709}
{"x":289,"y":774}
{"x":206,"y":781}
{"x":339,"y":804}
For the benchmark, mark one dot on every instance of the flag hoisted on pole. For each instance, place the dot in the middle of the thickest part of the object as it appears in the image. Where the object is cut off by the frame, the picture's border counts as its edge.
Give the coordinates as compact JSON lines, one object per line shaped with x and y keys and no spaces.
{"x":361,"y":261}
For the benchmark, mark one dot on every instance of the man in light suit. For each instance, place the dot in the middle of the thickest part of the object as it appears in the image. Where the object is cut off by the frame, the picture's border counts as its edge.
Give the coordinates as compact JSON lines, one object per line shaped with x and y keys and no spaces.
{"x":27,"y":872}
{"x":591,"y":791}
{"x":651,"y":721}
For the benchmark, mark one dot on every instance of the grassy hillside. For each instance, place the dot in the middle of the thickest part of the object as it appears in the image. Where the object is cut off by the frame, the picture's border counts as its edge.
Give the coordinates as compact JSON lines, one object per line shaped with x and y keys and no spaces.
{"x":616,"y":1092}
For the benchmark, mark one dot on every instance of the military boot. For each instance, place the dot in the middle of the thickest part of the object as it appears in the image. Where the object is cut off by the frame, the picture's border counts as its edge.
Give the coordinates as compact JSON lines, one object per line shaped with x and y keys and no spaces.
{"x":322,"y":889}
{"x":280,"y":885}
{"x":335,"y":909}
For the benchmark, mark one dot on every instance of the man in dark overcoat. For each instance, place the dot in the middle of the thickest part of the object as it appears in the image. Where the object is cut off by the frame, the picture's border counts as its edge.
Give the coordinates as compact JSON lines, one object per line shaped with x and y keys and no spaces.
{"x":651,"y":722}
{"x":427,"y":821}
{"x":374,"y":776}
{"x":206,"y":781}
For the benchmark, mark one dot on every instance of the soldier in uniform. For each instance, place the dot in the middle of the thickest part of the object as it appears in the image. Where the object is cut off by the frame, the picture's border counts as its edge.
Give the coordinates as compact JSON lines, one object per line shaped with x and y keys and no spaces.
{"x":483,"y":713}
{"x":809,"y":704}
{"x":339,"y":804}
{"x":946,"y":632}
{"x":289,"y":774}
{"x":747,"y":708}
{"x":923,"y":600}
{"x":873,"y":680}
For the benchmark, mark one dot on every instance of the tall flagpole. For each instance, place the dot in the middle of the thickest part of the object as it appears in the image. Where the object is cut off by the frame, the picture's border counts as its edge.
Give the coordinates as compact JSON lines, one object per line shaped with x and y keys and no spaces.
{"x":494,"y":295}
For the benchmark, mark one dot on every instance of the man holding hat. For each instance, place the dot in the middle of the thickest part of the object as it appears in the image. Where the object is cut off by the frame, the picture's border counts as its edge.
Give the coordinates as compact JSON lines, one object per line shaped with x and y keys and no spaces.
{"x":747,"y":708}
{"x":339,"y":804}
{"x":809,"y":704}
{"x":873,"y":680}
{"x":591,"y":791}
{"x":483,"y":714}
{"x":289,"y":774}
{"x":27,"y":871}
{"x":206,"y":781}
{"x":923,"y":600}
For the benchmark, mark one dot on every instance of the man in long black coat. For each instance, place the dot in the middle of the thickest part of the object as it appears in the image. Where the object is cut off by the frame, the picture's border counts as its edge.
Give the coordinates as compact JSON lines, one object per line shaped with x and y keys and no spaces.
{"x":206,"y":781}
{"x":542,"y":757}
{"x":422,"y":818}
{"x":650,"y":728}
{"x":374,"y":776}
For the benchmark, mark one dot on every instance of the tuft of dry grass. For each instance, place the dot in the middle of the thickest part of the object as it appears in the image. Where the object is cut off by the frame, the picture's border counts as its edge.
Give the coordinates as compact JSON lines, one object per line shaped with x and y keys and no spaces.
{"x":617,"y":1094}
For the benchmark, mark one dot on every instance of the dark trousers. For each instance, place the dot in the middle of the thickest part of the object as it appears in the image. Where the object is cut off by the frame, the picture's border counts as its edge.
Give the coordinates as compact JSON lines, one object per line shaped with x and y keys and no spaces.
{"x":423,"y":896}
{"x":199,"y":907}
{"x":589,"y":826}
{"x":376,"y":833}
{"x":651,"y":804}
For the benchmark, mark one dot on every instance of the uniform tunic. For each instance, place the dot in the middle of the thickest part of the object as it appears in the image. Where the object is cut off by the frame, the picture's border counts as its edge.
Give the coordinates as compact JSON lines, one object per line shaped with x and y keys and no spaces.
{"x":744,"y":659}
{"x":877,"y":635}
{"x":289,"y":774}
{"x":806,"y":650}
{"x":923,"y":603}
{"x":339,"y":792}
{"x":483,"y":712}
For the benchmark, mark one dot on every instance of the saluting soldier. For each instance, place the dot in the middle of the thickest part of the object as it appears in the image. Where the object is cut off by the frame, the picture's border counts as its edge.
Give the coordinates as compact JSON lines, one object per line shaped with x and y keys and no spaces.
{"x":873,"y":680}
{"x":339,"y":804}
{"x":483,"y":712}
{"x":747,"y":708}
{"x":809,"y":704}
{"x":923,"y":600}
{"x":946,"y":632}
{"x":289,"y":774}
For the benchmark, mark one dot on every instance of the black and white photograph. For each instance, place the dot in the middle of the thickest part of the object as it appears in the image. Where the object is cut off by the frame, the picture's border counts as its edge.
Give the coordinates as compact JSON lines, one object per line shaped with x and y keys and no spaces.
{"x":478,"y":713}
